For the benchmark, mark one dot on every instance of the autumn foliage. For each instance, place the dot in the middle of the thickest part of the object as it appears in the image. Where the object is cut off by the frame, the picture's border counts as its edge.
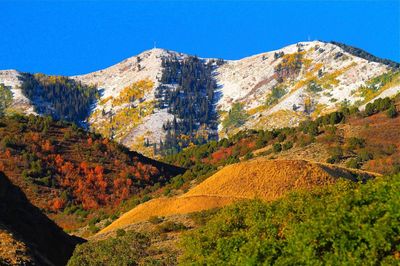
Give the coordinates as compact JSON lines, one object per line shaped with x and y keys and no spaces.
{"x":70,"y":167}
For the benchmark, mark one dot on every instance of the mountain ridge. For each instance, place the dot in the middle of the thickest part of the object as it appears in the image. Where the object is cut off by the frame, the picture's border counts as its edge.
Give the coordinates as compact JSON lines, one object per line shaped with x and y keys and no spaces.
{"x":273,"y":89}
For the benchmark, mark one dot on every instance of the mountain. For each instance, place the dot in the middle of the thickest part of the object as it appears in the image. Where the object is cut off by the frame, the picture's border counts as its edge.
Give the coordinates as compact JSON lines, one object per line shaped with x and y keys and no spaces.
{"x":161,"y":101}
{"x":287,"y":189}
{"x":27,"y":236}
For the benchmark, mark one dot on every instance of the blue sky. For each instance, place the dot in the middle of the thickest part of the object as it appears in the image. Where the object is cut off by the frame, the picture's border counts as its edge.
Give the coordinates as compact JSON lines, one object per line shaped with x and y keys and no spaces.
{"x":75,"y":37}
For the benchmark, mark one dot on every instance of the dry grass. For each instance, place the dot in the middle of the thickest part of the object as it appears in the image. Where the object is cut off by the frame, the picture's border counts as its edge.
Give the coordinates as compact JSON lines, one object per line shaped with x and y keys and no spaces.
{"x":258,"y":178}
{"x":12,"y":250}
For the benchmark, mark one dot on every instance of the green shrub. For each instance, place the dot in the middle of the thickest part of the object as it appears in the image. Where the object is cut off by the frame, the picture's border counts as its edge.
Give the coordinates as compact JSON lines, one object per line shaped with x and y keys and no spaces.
{"x":277,"y":147}
{"x":345,"y":224}
{"x":93,"y":228}
{"x":287,"y":145}
{"x":355,"y":143}
{"x":5,"y":98}
{"x":314,"y":87}
{"x":201,"y":217}
{"x":277,"y":92}
{"x":391,"y":112}
{"x":120,"y":232}
{"x":378,"y":105}
{"x":236,"y":117}
{"x":170,"y":226}
{"x":365,"y":155}
{"x":336,"y":154}
{"x":123,"y":250}
{"x":353,"y":163}
{"x":155,"y":219}
{"x":248,"y":156}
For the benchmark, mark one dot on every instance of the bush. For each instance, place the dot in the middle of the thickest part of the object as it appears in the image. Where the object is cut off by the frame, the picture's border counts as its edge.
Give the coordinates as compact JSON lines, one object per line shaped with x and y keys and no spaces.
{"x":391,"y":112}
{"x":248,"y":156}
{"x":93,"y":228}
{"x":287,"y":145}
{"x":201,"y":217}
{"x":355,"y":143}
{"x":120,"y":232}
{"x":155,"y":219}
{"x":277,"y":147}
{"x":124,"y":250}
{"x":336,"y":154}
{"x":170,"y":226}
{"x":365,"y":155}
{"x":236,"y":117}
{"x":345,"y":224}
{"x":378,"y":105}
{"x":353,"y":163}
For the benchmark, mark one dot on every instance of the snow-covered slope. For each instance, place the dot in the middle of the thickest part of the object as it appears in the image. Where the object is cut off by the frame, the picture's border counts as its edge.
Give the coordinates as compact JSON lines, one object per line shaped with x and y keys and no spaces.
{"x":11,"y":79}
{"x":274,"y":89}
{"x":338,"y":74}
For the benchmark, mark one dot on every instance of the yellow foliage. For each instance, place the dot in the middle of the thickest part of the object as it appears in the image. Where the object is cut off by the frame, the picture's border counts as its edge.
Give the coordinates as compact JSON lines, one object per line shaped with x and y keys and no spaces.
{"x":256,"y":110}
{"x":128,"y":111}
{"x":104,"y":101}
{"x":133,"y":92}
{"x":330,"y":79}
{"x":369,"y":94}
{"x":319,"y":110}
{"x":291,"y":60}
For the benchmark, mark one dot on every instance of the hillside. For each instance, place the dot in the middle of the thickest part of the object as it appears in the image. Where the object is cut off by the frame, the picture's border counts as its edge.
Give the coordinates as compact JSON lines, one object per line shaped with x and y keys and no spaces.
{"x":139,"y":102}
{"x":343,"y":224}
{"x":27,"y":236}
{"x":73,"y":175}
{"x":259,"y":178}
{"x":365,"y":139}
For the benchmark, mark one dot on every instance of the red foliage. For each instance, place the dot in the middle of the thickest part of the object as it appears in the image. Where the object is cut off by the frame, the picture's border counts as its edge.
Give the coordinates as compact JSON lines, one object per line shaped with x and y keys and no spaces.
{"x":47,"y":146}
{"x":59,"y":160}
{"x":8,"y":154}
{"x":221,"y":154}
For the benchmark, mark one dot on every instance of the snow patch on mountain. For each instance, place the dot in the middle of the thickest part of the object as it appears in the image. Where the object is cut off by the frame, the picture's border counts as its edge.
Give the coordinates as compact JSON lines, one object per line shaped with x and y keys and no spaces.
{"x":11,"y":78}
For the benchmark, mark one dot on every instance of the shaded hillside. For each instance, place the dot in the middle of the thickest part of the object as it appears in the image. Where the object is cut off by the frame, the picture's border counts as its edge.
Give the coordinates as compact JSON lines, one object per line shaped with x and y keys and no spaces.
{"x":259,"y":178}
{"x":28,"y":237}
{"x":70,"y":173}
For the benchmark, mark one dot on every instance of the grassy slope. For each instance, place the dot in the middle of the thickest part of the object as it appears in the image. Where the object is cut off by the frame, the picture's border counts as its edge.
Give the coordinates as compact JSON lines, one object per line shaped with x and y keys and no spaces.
{"x":259,"y":178}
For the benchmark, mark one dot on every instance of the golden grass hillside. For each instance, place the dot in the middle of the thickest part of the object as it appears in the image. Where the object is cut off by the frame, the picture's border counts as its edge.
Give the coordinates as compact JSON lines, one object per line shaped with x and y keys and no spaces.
{"x":258,"y":178}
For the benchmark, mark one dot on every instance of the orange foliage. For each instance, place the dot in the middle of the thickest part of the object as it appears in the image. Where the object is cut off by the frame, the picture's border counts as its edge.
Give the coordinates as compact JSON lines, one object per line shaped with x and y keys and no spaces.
{"x":47,"y":146}
{"x":59,"y":160}
{"x":58,"y":204}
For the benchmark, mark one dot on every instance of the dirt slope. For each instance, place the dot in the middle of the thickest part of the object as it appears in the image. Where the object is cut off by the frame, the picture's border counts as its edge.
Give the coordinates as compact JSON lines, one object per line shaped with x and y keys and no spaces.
{"x":259,"y":178}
